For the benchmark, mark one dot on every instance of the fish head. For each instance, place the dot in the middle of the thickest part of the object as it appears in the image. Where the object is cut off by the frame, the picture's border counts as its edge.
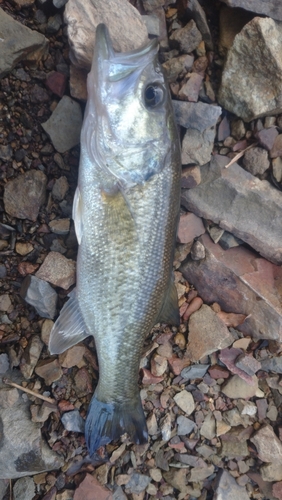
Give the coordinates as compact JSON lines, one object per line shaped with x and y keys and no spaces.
{"x":129,"y":120}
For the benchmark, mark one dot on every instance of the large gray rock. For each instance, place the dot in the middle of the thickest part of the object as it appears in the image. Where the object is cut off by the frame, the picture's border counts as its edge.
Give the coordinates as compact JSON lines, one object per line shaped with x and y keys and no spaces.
{"x":240,"y":282}
{"x":126,"y":27}
{"x":64,"y":125}
{"x":39,"y":294}
{"x":240,"y":203}
{"x":197,"y":115}
{"x":271,"y":8}
{"x":18,"y":43}
{"x":24,"y":195}
{"x":22,"y":449}
{"x":228,"y":488}
{"x":252,"y":76}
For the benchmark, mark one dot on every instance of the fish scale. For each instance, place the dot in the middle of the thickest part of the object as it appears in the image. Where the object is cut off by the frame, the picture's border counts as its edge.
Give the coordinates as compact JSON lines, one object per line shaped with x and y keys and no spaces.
{"x":126,"y":210}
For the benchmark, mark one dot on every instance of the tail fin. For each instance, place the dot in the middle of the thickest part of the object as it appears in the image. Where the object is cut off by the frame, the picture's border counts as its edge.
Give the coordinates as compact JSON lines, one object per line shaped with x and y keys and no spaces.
{"x":106,"y":422}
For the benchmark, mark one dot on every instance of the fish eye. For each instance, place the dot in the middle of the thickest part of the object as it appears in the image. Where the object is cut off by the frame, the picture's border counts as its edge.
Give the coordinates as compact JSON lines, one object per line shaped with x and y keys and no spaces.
{"x":153,"y":95}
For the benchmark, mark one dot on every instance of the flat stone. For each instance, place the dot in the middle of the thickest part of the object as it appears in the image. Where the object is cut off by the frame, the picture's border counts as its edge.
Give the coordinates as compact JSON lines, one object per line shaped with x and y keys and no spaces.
{"x":239,"y":203}
{"x":269,"y":447}
{"x":271,"y":472}
{"x":23,"y":248}
{"x":198,"y":251}
{"x":236,"y":388}
{"x":199,"y":474}
{"x":191,"y":89}
{"x":40,"y":413}
{"x":198,"y":115}
{"x":227,"y":487}
{"x":5,"y":303}
{"x":194,"y":372}
{"x":64,"y":125}
{"x":90,"y":488}
{"x":266,"y":137}
{"x":238,"y":129}
{"x":19,"y":43}
{"x":49,"y":370}
{"x":277,"y":490}
{"x":186,"y":39}
{"x":276,"y":149}
{"x":40,"y":295}
{"x":60,"y":188}
{"x":4,"y":363}
{"x":137,"y":483}
{"x":83,"y":383}
{"x":228,"y":357}
{"x":60,"y":226}
{"x":271,"y":8}
{"x":73,"y":421}
{"x":78,"y":78}
{"x":56,"y":82}
{"x":217,"y":371}
{"x":248,"y":364}
{"x":82,"y":19}
{"x":24,"y":195}
{"x":184,"y":426}
{"x":72,"y":357}
{"x":277,"y":169}
{"x":251,"y":287}
{"x":207,"y":429}
{"x":57,"y":270}
{"x":31,"y":356}
{"x":197,"y":147}
{"x":185,"y":401}
{"x":207,"y":334}
{"x":256,"y":161}
{"x":191,"y":177}
{"x":158,"y":365}
{"x":272,"y":364}
{"x":176,"y":66}
{"x":243,"y":85}
{"x":23,"y":452}
{"x":189,"y":227}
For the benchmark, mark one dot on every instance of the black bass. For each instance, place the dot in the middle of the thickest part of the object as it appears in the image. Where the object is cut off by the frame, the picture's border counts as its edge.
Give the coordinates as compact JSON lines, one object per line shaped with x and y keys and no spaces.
{"x":125,"y":211}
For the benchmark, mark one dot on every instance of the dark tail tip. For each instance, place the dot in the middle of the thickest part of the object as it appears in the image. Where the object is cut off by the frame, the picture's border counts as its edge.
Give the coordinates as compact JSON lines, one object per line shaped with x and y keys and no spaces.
{"x":106,"y":422}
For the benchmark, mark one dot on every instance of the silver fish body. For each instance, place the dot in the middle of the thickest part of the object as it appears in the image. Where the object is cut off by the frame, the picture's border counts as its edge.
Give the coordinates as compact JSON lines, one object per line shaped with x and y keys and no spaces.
{"x":126,"y":212}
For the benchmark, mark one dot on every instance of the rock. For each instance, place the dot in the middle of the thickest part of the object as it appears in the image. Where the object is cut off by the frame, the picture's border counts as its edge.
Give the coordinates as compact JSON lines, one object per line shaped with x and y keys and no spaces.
{"x":272,"y":8}
{"x":49,"y":370}
{"x":277,"y":169}
{"x":5,"y":303}
{"x":83,"y":383}
{"x":207,"y":334}
{"x":276,"y":149}
{"x":190,"y":226}
{"x":272,"y":364}
{"x":227,"y":488}
{"x":208,"y":427}
{"x":184,"y":426}
{"x":248,"y":364}
{"x":60,"y":188}
{"x":40,"y":413}
{"x":24,"y":195}
{"x":158,"y":365}
{"x":277,"y":490}
{"x":137,"y":483}
{"x":82,"y":18}
{"x":228,"y":357}
{"x":185,"y":401}
{"x":223,"y":130}
{"x":228,"y":240}
{"x":4,"y":363}
{"x":31,"y":356}
{"x":40,"y":295}
{"x":90,"y":488}
{"x":18,"y":43}
{"x":186,"y":39}
{"x":58,"y":270}
{"x":60,"y":226}
{"x":46,"y":328}
{"x":194,"y":372}
{"x":191,"y":177}
{"x":191,"y":89}
{"x":26,"y":268}
{"x":23,"y":451}
{"x":198,"y":14}
{"x":252,"y":45}
{"x":78,"y":78}
{"x":267,"y":137}
{"x":197,"y":147}
{"x":4,"y":483}
{"x":24,"y":488}
{"x":217,"y":371}
{"x":195,"y":304}
{"x":198,"y":115}
{"x":198,"y":251}
{"x":256,"y":161}
{"x":238,"y":129}
{"x":72,"y":421}
{"x":236,"y":388}
{"x":239,"y":203}
{"x":268,"y":446}
{"x":23,"y":248}
{"x":72,"y":357}
{"x":251,"y":285}
{"x":177,"y":66}
{"x":271,"y":472}
{"x":64,"y":125}
{"x":56,"y":82}
{"x":6,"y":152}
{"x":59,"y":3}
{"x":199,"y":474}
{"x":54,"y":23}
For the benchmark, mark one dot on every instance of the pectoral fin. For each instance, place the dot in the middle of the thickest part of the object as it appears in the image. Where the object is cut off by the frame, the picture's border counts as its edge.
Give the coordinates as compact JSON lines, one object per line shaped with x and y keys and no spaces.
{"x":69,"y":329}
{"x":170,"y":310}
{"x":77,"y":215}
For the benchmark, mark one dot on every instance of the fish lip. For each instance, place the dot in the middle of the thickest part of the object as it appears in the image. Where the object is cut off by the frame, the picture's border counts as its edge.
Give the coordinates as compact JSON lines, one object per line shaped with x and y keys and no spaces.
{"x":103,"y":44}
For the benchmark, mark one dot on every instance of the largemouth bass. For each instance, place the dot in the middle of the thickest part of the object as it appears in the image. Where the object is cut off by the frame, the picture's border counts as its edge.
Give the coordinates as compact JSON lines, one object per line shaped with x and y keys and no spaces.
{"x":125,"y":211}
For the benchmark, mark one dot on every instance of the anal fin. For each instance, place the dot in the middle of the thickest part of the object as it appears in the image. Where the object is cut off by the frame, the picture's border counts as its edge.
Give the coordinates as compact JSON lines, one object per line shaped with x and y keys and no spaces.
{"x":170,"y":311}
{"x":69,"y":329}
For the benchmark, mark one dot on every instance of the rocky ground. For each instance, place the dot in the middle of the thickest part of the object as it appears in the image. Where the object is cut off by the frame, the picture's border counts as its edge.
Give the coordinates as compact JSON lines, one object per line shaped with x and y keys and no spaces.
{"x":211,"y":389}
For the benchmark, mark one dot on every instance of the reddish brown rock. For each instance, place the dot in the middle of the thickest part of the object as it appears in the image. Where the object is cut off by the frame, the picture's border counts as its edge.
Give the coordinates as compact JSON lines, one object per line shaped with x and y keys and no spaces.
{"x":217,"y":371}
{"x":49,"y":369}
{"x":90,"y":488}
{"x":56,"y":82}
{"x":223,"y":129}
{"x":83,"y":383}
{"x":240,"y":282}
{"x":194,"y":306}
{"x":228,"y":357}
{"x":148,"y":378}
{"x":176,"y":364}
{"x":190,"y":226}
{"x":231,"y":319}
{"x":207,"y":334}
{"x":24,"y":195}
{"x":58,"y":270}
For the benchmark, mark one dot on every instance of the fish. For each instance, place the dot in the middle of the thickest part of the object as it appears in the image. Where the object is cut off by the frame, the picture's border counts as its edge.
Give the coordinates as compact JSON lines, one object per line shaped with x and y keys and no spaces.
{"x":125,"y":211}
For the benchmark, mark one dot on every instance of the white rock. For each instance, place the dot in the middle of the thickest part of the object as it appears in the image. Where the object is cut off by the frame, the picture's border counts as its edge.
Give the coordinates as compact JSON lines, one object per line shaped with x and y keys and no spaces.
{"x":185,"y":401}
